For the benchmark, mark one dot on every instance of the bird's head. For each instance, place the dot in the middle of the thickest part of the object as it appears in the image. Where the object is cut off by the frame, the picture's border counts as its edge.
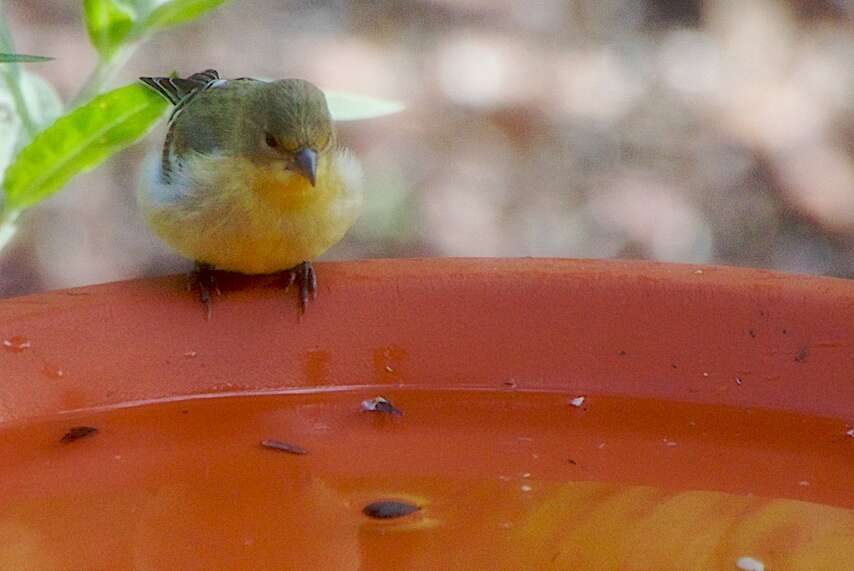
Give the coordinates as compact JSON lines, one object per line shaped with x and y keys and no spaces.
{"x":295,"y":127}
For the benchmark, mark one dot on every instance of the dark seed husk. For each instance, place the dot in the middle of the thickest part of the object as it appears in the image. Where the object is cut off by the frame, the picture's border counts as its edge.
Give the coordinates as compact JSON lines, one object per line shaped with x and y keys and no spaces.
{"x":381,"y":404}
{"x":283,"y":446}
{"x":389,"y":509}
{"x":78,"y":432}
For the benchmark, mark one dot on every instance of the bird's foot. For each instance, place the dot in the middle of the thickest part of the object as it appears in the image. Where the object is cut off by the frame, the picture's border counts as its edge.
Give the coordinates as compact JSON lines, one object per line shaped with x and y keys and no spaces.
{"x":306,"y":280}
{"x":203,"y":278}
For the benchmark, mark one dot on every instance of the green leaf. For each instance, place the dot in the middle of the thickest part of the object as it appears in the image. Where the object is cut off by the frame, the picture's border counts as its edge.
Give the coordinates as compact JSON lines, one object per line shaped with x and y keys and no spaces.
{"x":80,"y":141}
{"x":174,"y":12}
{"x":108,"y":22}
{"x":22,"y":58}
{"x":351,"y":107}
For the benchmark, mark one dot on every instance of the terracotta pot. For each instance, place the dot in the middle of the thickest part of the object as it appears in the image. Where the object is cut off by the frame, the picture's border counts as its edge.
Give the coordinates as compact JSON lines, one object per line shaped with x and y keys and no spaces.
{"x":555,"y":414}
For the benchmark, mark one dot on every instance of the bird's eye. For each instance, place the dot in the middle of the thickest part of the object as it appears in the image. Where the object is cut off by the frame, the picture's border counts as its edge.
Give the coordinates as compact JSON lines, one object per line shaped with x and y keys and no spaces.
{"x":271,"y":141}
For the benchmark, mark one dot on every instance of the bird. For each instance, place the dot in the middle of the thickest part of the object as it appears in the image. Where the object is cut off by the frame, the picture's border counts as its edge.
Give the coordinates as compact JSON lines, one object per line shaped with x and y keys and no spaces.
{"x":251,"y":179}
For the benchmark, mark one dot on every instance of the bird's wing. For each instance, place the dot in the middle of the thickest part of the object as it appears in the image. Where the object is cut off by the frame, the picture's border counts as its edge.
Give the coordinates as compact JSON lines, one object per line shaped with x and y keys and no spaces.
{"x":208,"y":124}
{"x":179,"y":91}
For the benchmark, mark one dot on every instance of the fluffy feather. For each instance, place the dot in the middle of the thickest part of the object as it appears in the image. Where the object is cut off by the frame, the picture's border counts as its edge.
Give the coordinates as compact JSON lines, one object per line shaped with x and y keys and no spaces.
{"x":228,"y":212}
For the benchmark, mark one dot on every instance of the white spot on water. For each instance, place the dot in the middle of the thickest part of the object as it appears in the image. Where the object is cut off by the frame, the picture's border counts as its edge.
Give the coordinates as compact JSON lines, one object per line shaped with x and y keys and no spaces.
{"x":749,"y":564}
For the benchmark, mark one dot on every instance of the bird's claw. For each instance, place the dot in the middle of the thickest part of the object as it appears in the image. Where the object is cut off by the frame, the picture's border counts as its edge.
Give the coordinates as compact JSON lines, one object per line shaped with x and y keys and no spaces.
{"x":203,"y":277}
{"x":304,"y":276}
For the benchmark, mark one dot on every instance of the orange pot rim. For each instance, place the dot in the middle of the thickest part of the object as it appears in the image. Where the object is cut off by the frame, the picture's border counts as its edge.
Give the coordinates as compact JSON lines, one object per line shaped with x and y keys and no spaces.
{"x":704,"y":334}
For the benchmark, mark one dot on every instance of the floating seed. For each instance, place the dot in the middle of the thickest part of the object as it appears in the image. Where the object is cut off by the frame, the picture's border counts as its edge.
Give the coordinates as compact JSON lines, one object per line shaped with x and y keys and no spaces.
{"x":77,"y":432}
{"x":283,"y":446}
{"x":389,"y":509}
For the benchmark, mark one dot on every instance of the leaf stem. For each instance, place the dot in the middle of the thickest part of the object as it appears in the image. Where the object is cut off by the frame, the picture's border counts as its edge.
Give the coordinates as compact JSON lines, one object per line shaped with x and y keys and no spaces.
{"x":7,"y":227}
{"x":104,"y":71}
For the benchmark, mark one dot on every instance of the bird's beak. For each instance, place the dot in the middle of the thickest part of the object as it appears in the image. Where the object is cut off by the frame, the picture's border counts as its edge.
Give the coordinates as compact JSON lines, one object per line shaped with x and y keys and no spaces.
{"x":307,"y":164}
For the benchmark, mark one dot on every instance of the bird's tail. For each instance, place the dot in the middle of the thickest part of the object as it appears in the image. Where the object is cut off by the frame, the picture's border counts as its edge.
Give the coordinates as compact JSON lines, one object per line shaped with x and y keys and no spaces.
{"x":174,"y":89}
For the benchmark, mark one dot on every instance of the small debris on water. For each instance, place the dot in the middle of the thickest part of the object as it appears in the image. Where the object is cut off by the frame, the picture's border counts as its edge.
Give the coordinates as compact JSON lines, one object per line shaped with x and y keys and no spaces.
{"x":749,"y":564}
{"x":738,"y":381}
{"x":850,"y":432}
{"x":389,"y":509}
{"x":77,"y":432}
{"x":190,"y":354}
{"x":53,"y":372}
{"x":803,"y":483}
{"x":380,"y":404}
{"x":525,"y":488}
{"x":283,"y":446}
{"x":577,"y":401}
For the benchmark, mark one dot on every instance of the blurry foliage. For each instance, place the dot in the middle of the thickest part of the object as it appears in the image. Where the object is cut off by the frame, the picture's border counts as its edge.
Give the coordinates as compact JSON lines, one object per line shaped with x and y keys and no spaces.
{"x":354,"y":107}
{"x":48,"y":147}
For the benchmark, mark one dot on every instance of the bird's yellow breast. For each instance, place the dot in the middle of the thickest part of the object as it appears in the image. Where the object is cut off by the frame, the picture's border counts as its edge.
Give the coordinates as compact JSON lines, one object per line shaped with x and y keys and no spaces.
{"x":286,"y":191}
{"x":239,"y":216}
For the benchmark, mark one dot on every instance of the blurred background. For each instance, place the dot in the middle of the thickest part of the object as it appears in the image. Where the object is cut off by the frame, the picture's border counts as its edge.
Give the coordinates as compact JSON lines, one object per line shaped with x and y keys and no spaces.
{"x":717,"y":131}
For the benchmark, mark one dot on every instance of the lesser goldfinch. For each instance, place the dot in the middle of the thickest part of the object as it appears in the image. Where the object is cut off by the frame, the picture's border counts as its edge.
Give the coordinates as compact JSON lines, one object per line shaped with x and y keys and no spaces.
{"x":251,"y":178}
